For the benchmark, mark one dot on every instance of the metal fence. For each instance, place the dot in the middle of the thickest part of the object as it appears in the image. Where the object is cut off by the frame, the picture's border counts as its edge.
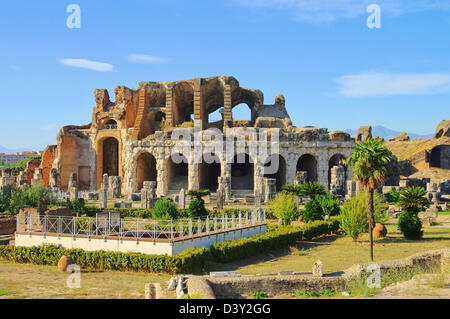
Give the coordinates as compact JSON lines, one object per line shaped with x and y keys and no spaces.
{"x":137,"y":228}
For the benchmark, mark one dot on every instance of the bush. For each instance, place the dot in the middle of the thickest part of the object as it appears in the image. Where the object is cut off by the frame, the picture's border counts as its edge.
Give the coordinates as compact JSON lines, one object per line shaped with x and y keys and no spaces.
{"x":313,"y":211}
{"x":13,"y":198}
{"x":410,"y":225}
{"x":164,"y":209}
{"x":329,"y":203}
{"x":312,"y":189}
{"x":353,"y":218}
{"x":413,"y":199}
{"x":197,"y":208}
{"x":292,"y":188}
{"x":188,"y":261}
{"x":276,"y":237}
{"x":284,"y":207}
{"x":392,"y":196}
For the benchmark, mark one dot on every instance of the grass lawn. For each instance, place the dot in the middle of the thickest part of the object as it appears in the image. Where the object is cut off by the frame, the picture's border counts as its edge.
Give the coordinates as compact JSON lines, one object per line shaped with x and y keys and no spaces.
{"x":336,"y":252}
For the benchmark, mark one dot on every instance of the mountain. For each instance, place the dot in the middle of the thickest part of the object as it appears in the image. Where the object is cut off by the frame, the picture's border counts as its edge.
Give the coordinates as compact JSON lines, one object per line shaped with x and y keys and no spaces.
{"x":13,"y":151}
{"x":387,"y":133}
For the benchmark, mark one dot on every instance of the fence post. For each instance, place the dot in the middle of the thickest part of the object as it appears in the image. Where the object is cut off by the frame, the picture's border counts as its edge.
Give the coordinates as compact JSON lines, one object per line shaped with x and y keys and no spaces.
{"x":215,"y":223}
{"x":207,"y":225}
{"x":171,"y":229}
{"x":199,"y":226}
{"x":223,"y":221}
{"x":232,"y":222}
{"x":240,"y":219}
{"x":181,"y":228}
{"x":190,"y":227}
{"x":59,"y":225}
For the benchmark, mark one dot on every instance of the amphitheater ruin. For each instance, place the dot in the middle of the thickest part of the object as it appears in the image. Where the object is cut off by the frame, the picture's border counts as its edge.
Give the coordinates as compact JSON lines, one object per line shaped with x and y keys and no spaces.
{"x":129,"y":142}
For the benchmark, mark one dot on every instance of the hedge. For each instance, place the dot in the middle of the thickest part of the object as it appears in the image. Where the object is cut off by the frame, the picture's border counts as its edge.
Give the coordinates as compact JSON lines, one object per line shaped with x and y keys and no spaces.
{"x":188,"y":261}
{"x":276,"y":237}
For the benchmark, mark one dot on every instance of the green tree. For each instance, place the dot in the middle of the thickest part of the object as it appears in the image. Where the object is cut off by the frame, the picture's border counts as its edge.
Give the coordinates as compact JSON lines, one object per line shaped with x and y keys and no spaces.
{"x":312,"y":189}
{"x":329,"y":203}
{"x":313,"y":211}
{"x":412,"y":200}
{"x":284,"y":207}
{"x":164,"y":209}
{"x":353,"y":217}
{"x":370,"y":160}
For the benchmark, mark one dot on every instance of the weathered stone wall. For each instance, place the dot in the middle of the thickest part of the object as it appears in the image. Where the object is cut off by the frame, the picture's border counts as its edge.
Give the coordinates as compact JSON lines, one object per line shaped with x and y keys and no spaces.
{"x":48,"y":157}
{"x":7,"y":224}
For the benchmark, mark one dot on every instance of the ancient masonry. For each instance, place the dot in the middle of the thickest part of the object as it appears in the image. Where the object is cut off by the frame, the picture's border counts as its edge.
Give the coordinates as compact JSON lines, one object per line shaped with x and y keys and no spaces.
{"x":130,"y":140}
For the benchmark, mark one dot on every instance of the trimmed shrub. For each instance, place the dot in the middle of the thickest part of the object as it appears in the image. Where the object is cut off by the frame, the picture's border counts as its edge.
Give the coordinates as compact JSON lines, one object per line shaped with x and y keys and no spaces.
{"x":188,"y":261}
{"x":164,"y":209}
{"x":410,"y":225}
{"x":197,"y":208}
{"x":276,"y":237}
{"x":313,"y":211}
{"x":284,"y":207}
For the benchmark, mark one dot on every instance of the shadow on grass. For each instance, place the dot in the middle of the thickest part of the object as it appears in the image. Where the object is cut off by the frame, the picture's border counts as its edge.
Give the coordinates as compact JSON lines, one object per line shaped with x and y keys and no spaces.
{"x":271,"y":256}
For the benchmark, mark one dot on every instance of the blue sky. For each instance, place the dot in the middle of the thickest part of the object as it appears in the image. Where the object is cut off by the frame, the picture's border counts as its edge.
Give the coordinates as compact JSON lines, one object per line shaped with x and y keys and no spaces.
{"x":334,"y":71}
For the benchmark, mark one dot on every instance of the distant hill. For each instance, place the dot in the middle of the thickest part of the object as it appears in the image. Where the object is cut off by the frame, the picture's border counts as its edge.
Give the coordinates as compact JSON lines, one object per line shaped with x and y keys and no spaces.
{"x":13,"y":151}
{"x":387,"y":133}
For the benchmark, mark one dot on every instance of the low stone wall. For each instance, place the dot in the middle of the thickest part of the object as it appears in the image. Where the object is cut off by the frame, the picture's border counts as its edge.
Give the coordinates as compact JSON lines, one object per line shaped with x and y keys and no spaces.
{"x":7,"y":225}
{"x":236,"y":287}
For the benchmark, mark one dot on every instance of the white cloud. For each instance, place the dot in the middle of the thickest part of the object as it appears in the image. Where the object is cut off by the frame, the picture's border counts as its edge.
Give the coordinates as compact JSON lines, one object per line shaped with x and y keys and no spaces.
{"x":87,"y":64}
{"x":145,"y":58}
{"x":372,"y":84}
{"x":49,"y":127}
{"x":319,"y":11}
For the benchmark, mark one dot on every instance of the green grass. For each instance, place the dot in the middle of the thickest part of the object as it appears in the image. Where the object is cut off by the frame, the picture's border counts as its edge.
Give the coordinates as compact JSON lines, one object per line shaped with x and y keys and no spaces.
{"x":258,"y":294}
{"x":325,"y":293}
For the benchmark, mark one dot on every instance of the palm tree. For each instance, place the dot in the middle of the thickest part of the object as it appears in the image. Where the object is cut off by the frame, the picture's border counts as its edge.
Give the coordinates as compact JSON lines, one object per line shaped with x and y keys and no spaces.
{"x":370,"y":160}
{"x":291,"y":189}
{"x":412,"y":199}
{"x":312,"y":189}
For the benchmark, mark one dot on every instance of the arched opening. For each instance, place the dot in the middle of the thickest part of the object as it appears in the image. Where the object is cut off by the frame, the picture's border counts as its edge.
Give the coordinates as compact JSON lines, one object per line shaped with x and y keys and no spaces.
{"x":337,"y":160}
{"x":209,"y":173}
{"x":276,"y":169}
{"x":242,"y":176}
{"x":308,"y":164}
{"x":242,"y":112}
{"x":110,"y":125}
{"x":215,"y":118}
{"x":177,"y":173}
{"x":111,"y":157}
{"x":440,"y":156}
{"x":156,"y":119}
{"x":182,"y":103}
{"x":145,"y":169}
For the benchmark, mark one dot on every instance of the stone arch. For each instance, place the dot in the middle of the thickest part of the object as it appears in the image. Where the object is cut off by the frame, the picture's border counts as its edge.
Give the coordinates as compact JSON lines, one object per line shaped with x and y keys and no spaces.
{"x":440,"y":156}
{"x":280,"y":171}
{"x":110,"y":162}
{"x":145,"y":169}
{"x":308,"y":163}
{"x":177,"y":173}
{"x":209,"y":173}
{"x":242,"y":172}
{"x":182,"y":102}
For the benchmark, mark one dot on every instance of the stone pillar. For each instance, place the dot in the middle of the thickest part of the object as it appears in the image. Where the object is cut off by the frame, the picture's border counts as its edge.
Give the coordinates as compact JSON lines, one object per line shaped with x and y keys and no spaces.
{"x":322,"y":171}
{"x":227,"y":111}
{"x":55,"y":179}
{"x":161,"y":185}
{"x":225,"y":184}
{"x":291,"y":168}
{"x":104,"y":192}
{"x":148,"y":195}
{"x":193,"y":180}
{"x":114,"y":186}
{"x":337,"y":182}
{"x":301,"y":177}
{"x":220,"y":197}
{"x":169,"y":101}
{"x":258,"y":181}
{"x":270,"y":189}
{"x":182,"y":199}
{"x":73,"y":187}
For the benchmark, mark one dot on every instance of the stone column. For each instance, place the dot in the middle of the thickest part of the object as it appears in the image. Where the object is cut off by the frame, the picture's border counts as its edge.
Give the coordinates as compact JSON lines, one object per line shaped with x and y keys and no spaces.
{"x":322,"y":171}
{"x":161,"y":167}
